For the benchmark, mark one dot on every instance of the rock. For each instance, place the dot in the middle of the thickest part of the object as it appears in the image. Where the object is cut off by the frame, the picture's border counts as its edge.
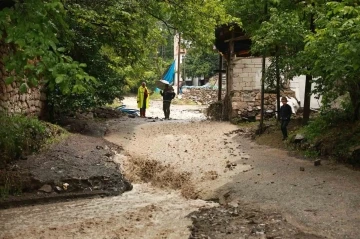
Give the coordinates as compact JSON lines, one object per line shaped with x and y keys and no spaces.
{"x":234,"y":204}
{"x":302,"y":169}
{"x":355,"y":155}
{"x":298,"y":138}
{"x":46,"y":188}
{"x":65,"y":186}
{"x":317,"y":162}
{"x":23,"y":157}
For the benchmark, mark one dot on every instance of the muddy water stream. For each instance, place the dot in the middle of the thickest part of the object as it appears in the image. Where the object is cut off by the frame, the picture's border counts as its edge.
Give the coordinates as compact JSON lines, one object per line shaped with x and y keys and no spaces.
{"x":145,"y":212}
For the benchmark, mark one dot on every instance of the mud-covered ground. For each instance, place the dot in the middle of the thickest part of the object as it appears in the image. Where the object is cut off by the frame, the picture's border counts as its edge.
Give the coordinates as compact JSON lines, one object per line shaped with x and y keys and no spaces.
{"x":78,"y":166}
{"x":191,"y":178}
{"x":243,"y":221}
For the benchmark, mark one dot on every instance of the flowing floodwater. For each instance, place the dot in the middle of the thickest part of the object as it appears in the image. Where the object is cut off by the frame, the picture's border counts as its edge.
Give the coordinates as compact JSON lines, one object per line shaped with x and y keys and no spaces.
{"x":145,"y":212}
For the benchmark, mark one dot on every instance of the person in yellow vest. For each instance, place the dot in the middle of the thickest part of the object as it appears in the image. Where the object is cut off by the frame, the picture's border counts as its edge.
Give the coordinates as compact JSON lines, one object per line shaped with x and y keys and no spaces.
{"x":143,"y":99}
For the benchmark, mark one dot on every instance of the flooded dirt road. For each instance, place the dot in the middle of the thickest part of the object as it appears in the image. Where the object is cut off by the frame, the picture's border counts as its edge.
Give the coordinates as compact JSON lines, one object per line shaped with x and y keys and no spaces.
{"x":259,"y":191}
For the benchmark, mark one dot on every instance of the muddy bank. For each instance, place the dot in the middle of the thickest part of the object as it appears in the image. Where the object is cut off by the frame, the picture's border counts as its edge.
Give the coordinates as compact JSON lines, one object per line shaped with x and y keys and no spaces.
{"x":79,"y":166}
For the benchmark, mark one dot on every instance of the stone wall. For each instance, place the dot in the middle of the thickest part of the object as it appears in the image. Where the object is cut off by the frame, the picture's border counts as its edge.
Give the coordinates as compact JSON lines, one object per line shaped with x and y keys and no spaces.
{"x":11,"y":100}
{"x":247,"y":104}
{"x":202,"y":96}
{"x":245,"y":94}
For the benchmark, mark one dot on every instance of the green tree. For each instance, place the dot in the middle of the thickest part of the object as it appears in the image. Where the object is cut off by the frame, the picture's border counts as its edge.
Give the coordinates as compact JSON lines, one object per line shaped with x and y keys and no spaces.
{"x":200,"y":63}
{"x":334,"y":50}
{"x":88,"y":52}
{"x":31,"y":28}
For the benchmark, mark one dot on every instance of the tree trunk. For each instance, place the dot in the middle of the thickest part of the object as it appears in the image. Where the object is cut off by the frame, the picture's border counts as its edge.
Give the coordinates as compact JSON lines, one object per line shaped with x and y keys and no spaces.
{"x":220,"y":77}
{"x":355,"y":100}
{"x":306,"y":113}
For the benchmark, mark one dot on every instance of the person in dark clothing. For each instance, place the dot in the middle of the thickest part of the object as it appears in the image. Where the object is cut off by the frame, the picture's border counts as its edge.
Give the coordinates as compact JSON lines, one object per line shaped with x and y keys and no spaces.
{"x":168,"y":94}
{"x":285,"y":114}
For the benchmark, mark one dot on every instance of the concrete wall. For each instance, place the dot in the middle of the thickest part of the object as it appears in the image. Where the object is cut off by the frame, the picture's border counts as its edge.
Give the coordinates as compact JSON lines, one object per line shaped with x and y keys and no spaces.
{"x":11,"y":100}
{"x":246,"y":74}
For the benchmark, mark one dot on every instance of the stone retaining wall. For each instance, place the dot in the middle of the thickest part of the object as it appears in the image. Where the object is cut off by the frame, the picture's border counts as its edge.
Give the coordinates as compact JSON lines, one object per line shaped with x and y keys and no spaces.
{"x":11,"y":100}
{"x":202,"y":96}
{"x":247,"y":104}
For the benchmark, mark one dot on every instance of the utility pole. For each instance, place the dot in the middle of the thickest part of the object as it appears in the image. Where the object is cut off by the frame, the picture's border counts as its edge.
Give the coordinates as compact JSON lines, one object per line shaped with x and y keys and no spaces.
{"x":262,"y":94}
{"x":220,"y":77}
{"x":178,"y":68}
{"x":183,"y":62}
{"x":277,"y":83}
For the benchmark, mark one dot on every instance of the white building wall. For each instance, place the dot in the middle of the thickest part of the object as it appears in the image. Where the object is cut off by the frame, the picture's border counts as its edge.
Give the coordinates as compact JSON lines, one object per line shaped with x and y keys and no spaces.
{"x":247,"y":74}
{"x":298,"y":85}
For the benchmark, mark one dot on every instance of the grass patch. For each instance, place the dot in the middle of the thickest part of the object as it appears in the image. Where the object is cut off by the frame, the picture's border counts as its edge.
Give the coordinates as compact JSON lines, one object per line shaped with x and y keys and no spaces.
{"x":23,"y":136}
{"x":10,"y":184}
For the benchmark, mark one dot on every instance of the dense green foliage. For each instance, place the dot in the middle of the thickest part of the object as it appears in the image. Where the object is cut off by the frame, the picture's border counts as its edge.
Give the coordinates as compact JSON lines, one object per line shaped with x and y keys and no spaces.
{"x":32,"y":28}
{"x":89,"y":52}
{"x":334,"y":51}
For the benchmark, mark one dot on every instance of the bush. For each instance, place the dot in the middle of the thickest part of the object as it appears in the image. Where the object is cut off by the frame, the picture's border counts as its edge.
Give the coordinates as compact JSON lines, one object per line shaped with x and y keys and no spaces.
{"x":326,"y":120}
{"x":20,"y":136}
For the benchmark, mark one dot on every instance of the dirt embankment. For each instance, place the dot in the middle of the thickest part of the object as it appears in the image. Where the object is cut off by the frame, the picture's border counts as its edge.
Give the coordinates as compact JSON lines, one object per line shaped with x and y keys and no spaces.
{"x":81,"y":165}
